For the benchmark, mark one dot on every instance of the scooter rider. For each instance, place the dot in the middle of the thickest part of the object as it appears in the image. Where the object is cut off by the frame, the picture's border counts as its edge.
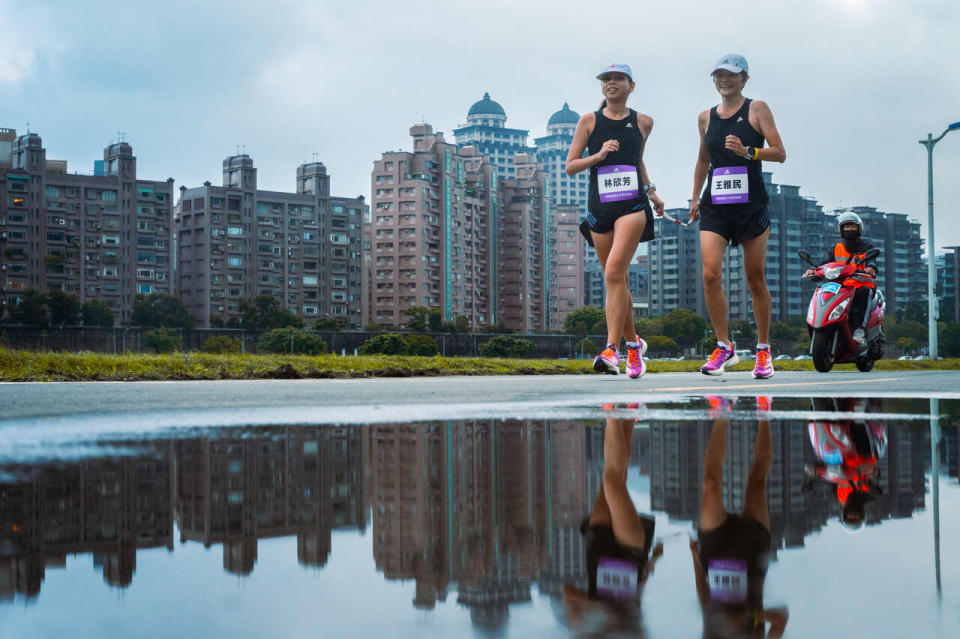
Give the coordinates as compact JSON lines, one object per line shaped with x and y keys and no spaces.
{"x":853,"y":246}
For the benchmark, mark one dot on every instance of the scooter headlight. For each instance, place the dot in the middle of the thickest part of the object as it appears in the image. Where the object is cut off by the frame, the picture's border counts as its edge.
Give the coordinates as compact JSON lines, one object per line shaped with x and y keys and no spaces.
{"x":832,"y":272}
{"x":838,"y":311}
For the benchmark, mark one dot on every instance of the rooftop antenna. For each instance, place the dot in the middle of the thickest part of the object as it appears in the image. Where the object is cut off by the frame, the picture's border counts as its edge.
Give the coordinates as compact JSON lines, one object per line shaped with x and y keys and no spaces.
{"x":121,"y":136}
{"x":238,"y":149}
{"x":316,"y":156}
{"x":28,"y":128}
{"x":243,"y":148}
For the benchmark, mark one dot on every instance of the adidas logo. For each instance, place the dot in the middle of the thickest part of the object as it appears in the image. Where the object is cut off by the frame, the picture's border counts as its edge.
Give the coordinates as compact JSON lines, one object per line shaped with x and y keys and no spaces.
{"x":629,"y":126}
{"x":740,"y":119}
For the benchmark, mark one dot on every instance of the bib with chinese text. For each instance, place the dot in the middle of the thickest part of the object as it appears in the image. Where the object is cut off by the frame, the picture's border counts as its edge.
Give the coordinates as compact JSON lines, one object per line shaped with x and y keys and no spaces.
{"x":617,"y":182}
{"x":616,"y":579}
{"x":727,"y":579}
{"x":730,"y":185}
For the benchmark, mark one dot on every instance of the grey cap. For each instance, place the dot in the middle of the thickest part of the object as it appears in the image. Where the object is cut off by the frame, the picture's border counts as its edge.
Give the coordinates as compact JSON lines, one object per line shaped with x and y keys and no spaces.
{"x":616,"y":68}
{"x":732,"y":62}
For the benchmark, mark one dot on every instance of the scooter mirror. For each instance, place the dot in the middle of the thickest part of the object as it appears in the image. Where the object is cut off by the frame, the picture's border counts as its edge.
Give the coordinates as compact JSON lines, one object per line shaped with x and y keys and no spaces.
{"x":872,"y":253}
{"x":805,"y":256}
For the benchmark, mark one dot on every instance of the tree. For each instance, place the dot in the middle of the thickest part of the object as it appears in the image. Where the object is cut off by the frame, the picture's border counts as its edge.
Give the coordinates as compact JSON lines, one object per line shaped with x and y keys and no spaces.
{"x":291,"y":340}
{"x":373,"y":327}
{"x":683,"y":326}
{"x":420,"y":345}
{"x":648,"y":326}
{"x":743,"y":330}
{"x":950,"y":339}
{"x":159,"y":310}
{"x":585,"y":346}
{"x":265,"y":313}
{"x":64,"y":309}
{"x":330,"y":323}
{"x":661,"y":345}
{"x":784,"y":330}
{"x":916,"y":310}
{"x":96,"y":313}
{"x":585,"y":321}
{"x":435,"y":320}
{"x":906,"y":344}
{"x":499,"y":327}
{"x":385,"y":344}
{"x":217,"y":322}
{"x":908,"y":328}
{"x":31,"y":310}
{"x":162,"y":340}
{"x":504,"y":346}
{"x":418,"y":318}
{"x":219,"y":344}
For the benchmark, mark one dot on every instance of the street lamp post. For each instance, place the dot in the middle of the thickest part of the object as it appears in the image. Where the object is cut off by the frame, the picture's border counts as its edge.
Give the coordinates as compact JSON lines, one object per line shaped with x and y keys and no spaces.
{"x":930,"y":142}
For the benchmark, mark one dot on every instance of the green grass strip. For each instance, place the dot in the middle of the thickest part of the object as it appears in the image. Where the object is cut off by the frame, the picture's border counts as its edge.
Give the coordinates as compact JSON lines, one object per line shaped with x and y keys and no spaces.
{"x":41,"y":366}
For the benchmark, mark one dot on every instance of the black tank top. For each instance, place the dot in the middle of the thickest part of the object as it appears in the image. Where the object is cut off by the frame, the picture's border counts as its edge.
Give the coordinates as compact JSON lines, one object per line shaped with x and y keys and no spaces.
{"x":730,"y":168}
{"x":615,"y":183}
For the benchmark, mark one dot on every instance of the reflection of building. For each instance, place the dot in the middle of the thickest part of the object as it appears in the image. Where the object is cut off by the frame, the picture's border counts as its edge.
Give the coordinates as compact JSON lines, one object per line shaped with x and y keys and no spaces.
{"x":110,"y":507}
{"x":303,"y":480}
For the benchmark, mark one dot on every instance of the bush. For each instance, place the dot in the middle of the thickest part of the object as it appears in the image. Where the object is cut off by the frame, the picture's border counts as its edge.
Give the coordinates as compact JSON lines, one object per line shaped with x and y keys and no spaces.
{"x":163,"y":340}
{"x":661,"y":345}
{"x":219,"y":344}
{"x":393,"y":344}
{"x":503,"y":346}
{"x":303,"y":343}
{"x":386,"y":344}
{"x":586,"y":347}
{"x":420,"y":345}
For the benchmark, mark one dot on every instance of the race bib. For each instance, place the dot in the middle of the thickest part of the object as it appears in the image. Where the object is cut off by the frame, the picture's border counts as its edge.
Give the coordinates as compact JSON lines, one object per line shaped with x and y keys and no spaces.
{"x":616,"y":579}
{"x":728,"y":580}
{"x":617,"y":182}
{"x":730,"y":185}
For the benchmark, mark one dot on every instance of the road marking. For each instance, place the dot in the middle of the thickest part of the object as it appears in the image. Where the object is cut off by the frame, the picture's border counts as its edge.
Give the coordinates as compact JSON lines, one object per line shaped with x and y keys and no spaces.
{"x":783,"y":385}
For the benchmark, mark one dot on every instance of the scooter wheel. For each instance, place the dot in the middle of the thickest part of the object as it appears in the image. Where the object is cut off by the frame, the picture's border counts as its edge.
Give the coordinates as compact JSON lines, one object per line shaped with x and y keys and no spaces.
{"x":865,"y":365}
{"x":821,"y":350}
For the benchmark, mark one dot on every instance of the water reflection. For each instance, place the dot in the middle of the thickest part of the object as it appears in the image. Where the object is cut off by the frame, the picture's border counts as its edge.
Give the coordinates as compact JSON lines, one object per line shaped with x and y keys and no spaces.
{"x":490,"y":516}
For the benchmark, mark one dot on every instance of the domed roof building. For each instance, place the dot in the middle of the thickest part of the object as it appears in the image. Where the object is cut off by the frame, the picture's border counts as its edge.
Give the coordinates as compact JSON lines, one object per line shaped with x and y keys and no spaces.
{"x":552,"y":152}
{"x":565,"y":116}
{"x":486,"y":129}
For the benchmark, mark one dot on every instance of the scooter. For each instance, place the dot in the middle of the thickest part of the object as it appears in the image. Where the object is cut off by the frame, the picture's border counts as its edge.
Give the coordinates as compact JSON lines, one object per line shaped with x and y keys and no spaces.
{"x":831,"y":341}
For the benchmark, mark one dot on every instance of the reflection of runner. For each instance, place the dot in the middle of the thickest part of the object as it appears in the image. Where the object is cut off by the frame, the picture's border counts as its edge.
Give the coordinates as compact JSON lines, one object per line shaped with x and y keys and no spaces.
{"x":618,"y":543}
{"x":733,"y":207}
{"x":729,"y":556}
{"x":620,"y":197}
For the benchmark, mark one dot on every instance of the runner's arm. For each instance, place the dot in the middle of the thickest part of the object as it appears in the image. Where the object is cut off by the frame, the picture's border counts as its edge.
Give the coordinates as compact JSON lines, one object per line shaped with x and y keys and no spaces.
{"x":702,"y":167}
{"x":575,"y":160}
{"x":774,"y":151}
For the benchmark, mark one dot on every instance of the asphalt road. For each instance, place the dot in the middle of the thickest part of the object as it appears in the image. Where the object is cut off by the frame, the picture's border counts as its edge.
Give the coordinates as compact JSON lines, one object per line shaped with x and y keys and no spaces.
{"x":342,"y":399}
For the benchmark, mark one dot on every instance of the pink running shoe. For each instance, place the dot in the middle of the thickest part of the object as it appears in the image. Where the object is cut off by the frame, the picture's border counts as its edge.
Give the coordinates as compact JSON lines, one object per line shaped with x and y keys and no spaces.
{"x":608,"y":361}
{"x":764,"y":366}
{"x":721,"y":358}
{"x":636,"y":367}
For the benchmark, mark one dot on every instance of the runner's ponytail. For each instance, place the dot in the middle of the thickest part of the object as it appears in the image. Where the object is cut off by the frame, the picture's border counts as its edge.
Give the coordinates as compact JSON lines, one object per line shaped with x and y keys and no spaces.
{"x":603,"y":105}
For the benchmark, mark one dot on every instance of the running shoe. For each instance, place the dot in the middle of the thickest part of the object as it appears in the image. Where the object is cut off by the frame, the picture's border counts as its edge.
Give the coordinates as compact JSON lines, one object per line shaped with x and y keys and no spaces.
{"x":636,"y":367}
{"x":608,"y":361}
{"x":721,"y":358}
{"x":719,"y":404}
{"x":764,"y":366}
{"x":859,"y":336}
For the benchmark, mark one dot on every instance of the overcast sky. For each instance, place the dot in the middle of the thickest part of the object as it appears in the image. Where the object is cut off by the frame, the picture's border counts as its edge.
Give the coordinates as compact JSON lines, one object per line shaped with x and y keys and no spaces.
{"x":853,"y":84}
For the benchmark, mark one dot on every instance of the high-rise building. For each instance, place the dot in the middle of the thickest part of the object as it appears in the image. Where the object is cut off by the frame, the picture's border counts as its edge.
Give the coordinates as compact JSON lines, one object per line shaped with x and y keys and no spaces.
{"x":796,"y":222}
{"x":432,"y":236}
{"x":566,"y":263}
{"x":101,"y":238}
{"x":523,"y":235}
{"x":903,"y":274}
{"x":485,"y":130}
{"x":948,"y":284}
{"x":235,"y":242}
{"x":675,"y":267}
{"x":552,"y":150}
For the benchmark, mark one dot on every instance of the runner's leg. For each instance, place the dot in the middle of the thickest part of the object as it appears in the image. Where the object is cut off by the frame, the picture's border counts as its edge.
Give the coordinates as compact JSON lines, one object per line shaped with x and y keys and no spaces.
{"x":712,"y":247}
{"x":755,"y":266}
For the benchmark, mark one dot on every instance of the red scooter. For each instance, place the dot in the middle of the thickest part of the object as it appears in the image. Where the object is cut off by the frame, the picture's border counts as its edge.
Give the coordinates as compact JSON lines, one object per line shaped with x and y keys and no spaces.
{"x":831,"y":341}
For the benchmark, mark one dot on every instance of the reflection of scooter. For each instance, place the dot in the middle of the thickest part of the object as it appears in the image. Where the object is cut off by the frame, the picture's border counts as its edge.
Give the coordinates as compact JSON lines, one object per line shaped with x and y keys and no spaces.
{"x":847,"y":456}
{"x":831,"y":340}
